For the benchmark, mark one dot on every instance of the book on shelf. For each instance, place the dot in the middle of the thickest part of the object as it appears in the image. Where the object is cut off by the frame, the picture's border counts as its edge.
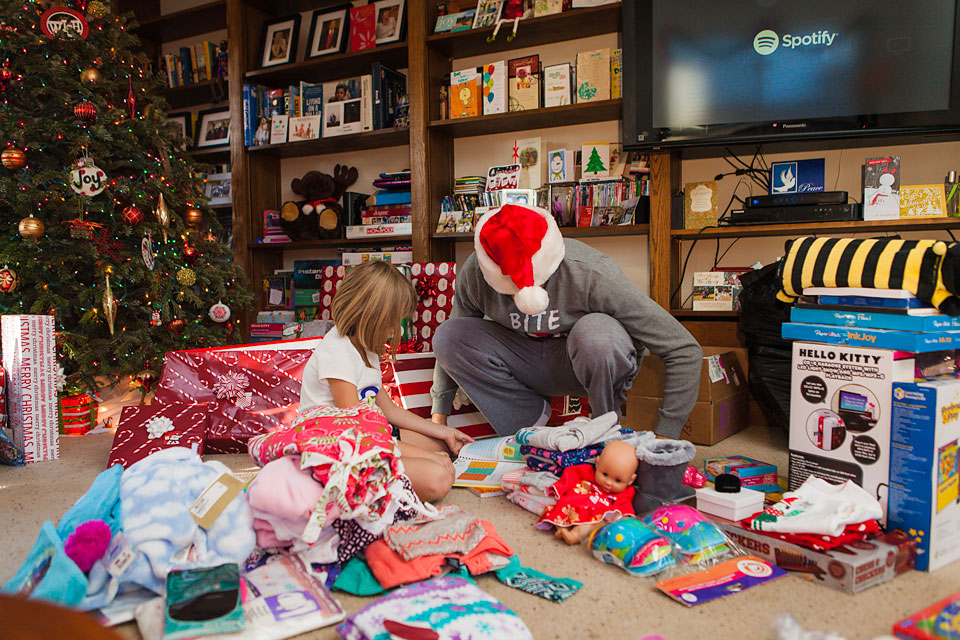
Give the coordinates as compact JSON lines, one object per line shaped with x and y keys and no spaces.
{"x":311,"y":99}
{"x":483,"y":463}
{"x":494,"y":80}
{"x":593,"y":75}
{"x":388,"y":87}
{"x":201,"y":72}
{"x":616,"y":74}
{"x":186,"y":61}
{"x":379,"y":230}
{"x":348,"y":106}
{"x":353,"y":205}
{"x":389,"y":198}
{"x":371,"y":219}
{"x":556,"y":85}
{"x":524,"y":83}
{"x":275,"y":102}
{"x":291,"y":101}
{"x":465,"y":92}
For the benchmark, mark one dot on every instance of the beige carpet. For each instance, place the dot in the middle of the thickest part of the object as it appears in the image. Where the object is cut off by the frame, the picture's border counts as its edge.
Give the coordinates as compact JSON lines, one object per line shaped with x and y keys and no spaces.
{"x":611,"y":604}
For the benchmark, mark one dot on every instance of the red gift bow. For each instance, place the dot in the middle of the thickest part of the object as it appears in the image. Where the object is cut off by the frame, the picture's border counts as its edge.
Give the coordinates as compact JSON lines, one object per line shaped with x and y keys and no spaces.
{"x":427,"y":286}
{"x":410,"y":346}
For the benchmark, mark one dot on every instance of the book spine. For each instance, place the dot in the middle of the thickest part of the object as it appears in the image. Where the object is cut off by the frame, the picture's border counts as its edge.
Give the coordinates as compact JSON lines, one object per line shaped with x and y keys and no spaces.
{"x":376,"y":73}
{"x":171,"y":69}
{"x":366,"y":92}
{"x":200,"y":57}
{"x":862,"y":301}
{"x":379,"y":230}
{"x":249,"y":118}
{"x":390,"y":198}
{"x":186,"y":55}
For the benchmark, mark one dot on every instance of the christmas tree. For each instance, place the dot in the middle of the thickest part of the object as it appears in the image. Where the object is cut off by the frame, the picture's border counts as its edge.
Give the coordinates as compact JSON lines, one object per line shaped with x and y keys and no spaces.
{"x":595,"y":163}
{"x":103,"y":218}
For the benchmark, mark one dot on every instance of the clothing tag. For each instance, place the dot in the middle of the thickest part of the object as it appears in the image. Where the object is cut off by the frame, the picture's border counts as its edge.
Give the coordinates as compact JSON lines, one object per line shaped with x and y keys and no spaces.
{"x":210,"y":504}
{"x":311,"y":532}
{"x":715,"y":369}
{"x":276,"y":296}
{"x":316,"y":297}
{"x":120,"y":555}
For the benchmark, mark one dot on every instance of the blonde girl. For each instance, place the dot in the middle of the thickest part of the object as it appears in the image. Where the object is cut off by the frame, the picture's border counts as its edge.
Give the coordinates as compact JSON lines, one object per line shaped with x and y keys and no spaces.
{"x":344,"y":371}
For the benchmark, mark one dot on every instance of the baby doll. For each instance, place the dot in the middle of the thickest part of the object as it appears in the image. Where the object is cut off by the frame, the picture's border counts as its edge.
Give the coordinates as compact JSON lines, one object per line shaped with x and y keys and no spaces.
{"x":585,"y":496}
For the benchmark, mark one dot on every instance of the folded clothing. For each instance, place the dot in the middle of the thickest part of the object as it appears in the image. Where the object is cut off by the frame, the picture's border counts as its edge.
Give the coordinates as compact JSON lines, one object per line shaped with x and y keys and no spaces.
{"x":282,"y":496}
{"x":527,"y":481}
{"x":563,"y":459}
{"x":575,"y":434}
{"x":392,"y":570}
{"x":535,"y":463}
{"x":452,"y":607}
{"x":535,"y":504}
{"x":452,"y":531}
{"x":818,"y":507}
{"x":852,"y":533}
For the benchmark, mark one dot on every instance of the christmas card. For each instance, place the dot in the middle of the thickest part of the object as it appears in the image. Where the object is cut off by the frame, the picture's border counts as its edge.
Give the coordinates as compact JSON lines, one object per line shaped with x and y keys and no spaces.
{"x":278,"y":129}
{"x":528,"y":153}
{"x":556,"y":85}
{"x":595,"y":158}
{"x":465,"y":94}
{"x":881,"y":188}
{"x":494,"y":87}
{"x":593,"y":75}
{"x":363,"y":28}
{"x":560,"y":165}
{"x":524,"y":74}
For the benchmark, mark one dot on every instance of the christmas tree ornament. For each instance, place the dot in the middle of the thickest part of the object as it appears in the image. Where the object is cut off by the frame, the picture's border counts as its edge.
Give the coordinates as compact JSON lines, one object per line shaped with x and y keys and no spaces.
{"x":176,"y":326}
{"x":85,"y":111}
{"x":31,"y":228}
{"x":190,"y":254}
{"x":146,"y":250}
{"x":187,"y":277}
{"x":86,"y":178}
{"x":192,"y":216}
{"x":6,"y":75}
{"x":9,"y":280}
{"x":229,"y":329}
{"x":163,"y":215}
{"x":83,"y":230}
{"x":219,"y":312}
{"x":61,"y":21}
{"x":91,"y":75}
{"x":13,"y":158}
{"x":132,"y":215}
{"x":109,"y":305}
{"x":81,"y":5}
{"x":131,"y":99}
{"x":97,"y":10}
{"x":147,"y":379}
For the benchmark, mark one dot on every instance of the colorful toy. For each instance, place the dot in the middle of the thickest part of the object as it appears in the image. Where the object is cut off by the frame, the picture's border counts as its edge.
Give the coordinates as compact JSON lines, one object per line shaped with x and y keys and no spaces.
{"x":512,"y":10}
{"x":586,"y":496}
{"x":631,"y":545}
{"x":320,"y":214}
{"x":88,"y":543}
{"x":696,"y":538}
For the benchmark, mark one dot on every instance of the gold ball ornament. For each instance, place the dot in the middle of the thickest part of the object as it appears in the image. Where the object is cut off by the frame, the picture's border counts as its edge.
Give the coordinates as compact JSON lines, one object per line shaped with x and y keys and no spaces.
{"x":9,"y":280}
{"x":193,"y":216}
{"x":91,"y":75}
{"x":96,"y":9}
{"x":31,"y":228}
{"x":187,"y":277}
{"x":13,"y":158}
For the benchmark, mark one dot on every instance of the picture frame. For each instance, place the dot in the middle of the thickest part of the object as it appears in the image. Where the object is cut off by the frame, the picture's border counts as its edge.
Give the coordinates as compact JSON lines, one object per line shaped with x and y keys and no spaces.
{"x":184,"y":122}
{"x":278,"y":45}
{"x":329,"y":32}
{"x":390,"y":20}
{"x":526,"y":197}
{"x":218,"y":189}
{"x":464,"y":20}
{"x":213,"y":128}
{"x":488,"y":12}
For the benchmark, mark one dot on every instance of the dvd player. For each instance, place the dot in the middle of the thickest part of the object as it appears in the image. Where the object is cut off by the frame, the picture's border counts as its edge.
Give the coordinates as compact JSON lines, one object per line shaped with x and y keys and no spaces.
{"x":791,"y":199}
{"x":798,"y":213}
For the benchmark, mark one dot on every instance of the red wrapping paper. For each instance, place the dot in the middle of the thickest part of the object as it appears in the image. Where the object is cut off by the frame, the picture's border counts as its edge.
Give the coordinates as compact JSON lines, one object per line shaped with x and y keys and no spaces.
{"x":134,"y":440}
{"x":251,"y":390}
{"x":432,"y":310}
{"x":328,"y":287}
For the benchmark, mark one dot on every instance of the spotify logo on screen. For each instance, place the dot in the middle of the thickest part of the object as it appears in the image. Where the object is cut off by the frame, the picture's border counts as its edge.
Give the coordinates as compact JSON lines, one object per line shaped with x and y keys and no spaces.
{"x":766,"y":42}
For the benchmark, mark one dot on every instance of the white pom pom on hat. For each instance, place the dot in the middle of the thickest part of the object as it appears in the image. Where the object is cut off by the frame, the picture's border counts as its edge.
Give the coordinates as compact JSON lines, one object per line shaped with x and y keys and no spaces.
{"x":518,"y":248}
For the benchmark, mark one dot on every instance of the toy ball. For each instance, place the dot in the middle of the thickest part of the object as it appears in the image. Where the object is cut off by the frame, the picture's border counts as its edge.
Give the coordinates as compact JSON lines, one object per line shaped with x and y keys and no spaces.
{"x":631,"y":545}
{"x":88,"y":543}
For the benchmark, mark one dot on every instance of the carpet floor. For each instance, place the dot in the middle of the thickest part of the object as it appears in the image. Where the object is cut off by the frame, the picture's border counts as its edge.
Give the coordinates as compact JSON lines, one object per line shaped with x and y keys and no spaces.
{"x":611,"y":605}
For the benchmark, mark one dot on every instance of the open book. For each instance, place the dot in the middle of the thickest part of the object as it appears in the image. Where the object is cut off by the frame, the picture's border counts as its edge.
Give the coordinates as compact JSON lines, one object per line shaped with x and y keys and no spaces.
{"x":483,"y":463}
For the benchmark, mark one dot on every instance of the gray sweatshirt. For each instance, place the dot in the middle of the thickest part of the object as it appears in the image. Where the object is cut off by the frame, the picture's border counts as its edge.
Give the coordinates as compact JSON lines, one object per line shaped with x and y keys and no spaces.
{"x":587,"y":281}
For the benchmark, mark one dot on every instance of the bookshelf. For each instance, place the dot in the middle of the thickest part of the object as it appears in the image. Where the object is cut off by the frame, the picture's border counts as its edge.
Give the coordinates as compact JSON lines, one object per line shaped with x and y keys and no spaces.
{"x":566,"y":115}
{"x":378,"y":139}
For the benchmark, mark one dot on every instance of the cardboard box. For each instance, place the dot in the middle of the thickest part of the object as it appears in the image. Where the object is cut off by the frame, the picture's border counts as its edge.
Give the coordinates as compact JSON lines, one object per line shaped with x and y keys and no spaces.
{"x":840,"y":414}
{"x":852,"y":568}
{"x":722,"y":400}
{"x":924,"y":477}
{"x":753,"y":474}
{"x":30,"y":362}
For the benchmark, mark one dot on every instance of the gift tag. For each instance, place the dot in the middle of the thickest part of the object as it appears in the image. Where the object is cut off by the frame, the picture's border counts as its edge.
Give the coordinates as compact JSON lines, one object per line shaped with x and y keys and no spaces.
{"x":120,"y":555}
{"x":276,"y":296}
{"x":210,"y":504}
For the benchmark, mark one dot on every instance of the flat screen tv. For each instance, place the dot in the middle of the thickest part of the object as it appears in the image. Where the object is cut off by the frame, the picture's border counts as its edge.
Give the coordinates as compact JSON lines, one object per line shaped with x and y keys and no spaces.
{"x":705,"y":72}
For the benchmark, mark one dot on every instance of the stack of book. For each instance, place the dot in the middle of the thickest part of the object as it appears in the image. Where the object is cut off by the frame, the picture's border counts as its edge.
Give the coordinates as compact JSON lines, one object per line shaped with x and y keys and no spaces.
{"x":882,"y":318}
{"x":387,"y":212}
{"x":272,"y":233}
{"x":191,"y":65}
{"x":393,"y":255}
{"x":600,"y":203}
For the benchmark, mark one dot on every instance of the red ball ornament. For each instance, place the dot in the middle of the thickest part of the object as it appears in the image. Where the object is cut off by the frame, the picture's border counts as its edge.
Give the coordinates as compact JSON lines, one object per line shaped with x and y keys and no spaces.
{"x":9,"y":280}
{"x":132,"y":215}
{"x":85,"y":110}
{"x":6,"y":75}
{"x":190,"y":254}
{"x":13,"y":158}
{"x":177,"y":325}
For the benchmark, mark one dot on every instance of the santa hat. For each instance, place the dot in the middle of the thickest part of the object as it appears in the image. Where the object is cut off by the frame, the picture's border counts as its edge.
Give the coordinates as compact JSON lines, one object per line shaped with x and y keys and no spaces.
{"x":518,"y":249}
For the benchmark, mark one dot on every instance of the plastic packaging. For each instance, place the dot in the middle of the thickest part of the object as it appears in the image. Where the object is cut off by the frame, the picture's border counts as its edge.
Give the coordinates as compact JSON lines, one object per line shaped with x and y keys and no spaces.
{"x":786,"y":627}
{"x":631,"y":545}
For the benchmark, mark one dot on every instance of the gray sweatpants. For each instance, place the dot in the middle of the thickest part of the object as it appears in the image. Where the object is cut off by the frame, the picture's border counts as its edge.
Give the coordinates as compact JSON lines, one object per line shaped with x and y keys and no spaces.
{"x":506,"y":373}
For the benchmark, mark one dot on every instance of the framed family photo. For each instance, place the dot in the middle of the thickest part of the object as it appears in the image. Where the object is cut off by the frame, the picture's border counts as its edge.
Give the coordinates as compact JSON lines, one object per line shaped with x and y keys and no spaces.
{"x":389,"y":16}
{"x":218,"y":189}
{"x":279,"y":45}
{"x":181,"y":122}
{"x":213,"y":128}
{"x":329,"y":31}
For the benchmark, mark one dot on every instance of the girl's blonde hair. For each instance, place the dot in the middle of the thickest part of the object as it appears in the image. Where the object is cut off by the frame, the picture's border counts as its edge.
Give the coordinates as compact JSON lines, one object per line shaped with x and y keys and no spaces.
{"x":370,"y":303}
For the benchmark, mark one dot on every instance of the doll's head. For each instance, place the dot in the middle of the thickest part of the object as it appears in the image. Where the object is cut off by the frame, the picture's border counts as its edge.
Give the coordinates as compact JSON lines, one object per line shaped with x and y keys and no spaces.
{"x":616,"y":467}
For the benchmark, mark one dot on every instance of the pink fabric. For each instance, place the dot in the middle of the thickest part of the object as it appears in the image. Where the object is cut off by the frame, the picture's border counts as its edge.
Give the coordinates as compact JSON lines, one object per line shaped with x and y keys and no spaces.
{"x":281,"y":498}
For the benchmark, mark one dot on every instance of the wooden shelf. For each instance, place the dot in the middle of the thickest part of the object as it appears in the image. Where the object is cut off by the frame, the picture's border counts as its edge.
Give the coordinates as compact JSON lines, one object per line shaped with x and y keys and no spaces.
{"x":534,"y":119}
{"x":572,"y":232}
{"x":284,"y":7}
{"x":332,"y":67}
{"x":533,"y":32}
{"x":204,"y":18}
{"x":379,"y":139}
{"x":700,"y":315}
{"x":191,"y":95}
{"x":816,"y":228}
{"x":221,"y":207}
{"x":335,"y":242}
{"x":217,"y":155}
